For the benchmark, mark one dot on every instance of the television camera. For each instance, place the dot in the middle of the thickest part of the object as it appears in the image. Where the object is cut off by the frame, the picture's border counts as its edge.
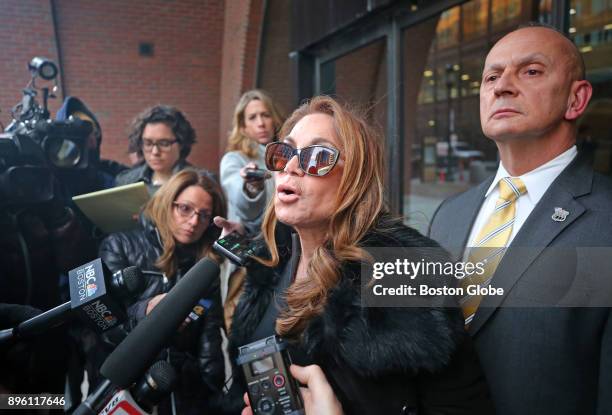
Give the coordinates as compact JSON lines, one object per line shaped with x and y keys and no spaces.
{"x":33,"y":147}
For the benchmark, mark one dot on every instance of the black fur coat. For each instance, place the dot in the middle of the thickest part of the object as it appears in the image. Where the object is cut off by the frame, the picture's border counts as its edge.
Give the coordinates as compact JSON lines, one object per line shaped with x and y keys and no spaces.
{"x":378,"y":360}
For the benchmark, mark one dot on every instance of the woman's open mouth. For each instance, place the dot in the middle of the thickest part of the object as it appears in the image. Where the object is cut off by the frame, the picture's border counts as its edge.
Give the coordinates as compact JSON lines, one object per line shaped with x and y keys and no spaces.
{"x":286,"y":193}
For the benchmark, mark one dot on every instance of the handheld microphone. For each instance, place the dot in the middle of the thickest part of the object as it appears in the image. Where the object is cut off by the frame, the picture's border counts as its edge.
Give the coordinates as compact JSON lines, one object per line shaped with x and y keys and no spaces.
{"x":157,"y":383}
{"x":90,"y":300}
{"x":126,"y":281}
{"x":134,"y":354}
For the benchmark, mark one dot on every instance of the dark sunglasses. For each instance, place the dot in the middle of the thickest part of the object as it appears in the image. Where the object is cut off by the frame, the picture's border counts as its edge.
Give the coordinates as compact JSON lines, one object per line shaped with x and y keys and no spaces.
{"x":315,"y":160}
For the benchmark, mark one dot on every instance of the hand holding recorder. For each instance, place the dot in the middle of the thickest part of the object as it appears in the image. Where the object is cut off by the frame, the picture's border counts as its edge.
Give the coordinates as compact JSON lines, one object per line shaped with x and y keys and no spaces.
{"x":318,"y":396}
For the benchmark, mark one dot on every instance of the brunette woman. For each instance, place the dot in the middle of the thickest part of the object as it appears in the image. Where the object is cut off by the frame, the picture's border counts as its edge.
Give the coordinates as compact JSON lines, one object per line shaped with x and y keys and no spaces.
{"x":176,"y":231}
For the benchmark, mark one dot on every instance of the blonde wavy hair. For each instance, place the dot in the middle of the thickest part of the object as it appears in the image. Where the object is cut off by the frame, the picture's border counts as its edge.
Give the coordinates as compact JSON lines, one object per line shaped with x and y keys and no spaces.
{"x":159,"y":210}
{"x":359,"y":203}
{"x":237,"y":141}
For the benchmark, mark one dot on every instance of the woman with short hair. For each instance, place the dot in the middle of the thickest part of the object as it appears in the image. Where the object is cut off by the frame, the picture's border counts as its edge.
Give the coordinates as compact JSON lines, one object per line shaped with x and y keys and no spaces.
{"x":162,"y":136}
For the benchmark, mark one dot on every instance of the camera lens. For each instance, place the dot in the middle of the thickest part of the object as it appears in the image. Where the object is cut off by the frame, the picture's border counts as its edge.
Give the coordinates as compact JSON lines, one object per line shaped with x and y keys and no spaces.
{"x":63,"y":153}
{"x":43,"y":67}
{"x":48,"y":71}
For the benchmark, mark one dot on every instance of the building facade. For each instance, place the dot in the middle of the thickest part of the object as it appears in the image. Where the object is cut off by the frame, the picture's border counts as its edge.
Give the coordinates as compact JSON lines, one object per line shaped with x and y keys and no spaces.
{"x":413,"y":66}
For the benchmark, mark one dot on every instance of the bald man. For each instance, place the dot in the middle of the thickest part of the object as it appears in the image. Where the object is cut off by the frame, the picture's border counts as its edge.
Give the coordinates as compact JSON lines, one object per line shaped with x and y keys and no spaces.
{"x":544,"y":202}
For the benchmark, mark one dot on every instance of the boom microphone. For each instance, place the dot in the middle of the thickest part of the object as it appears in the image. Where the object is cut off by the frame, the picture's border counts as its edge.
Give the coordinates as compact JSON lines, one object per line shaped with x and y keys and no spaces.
{"x":133,"y":355}
{"x":90,"y":299}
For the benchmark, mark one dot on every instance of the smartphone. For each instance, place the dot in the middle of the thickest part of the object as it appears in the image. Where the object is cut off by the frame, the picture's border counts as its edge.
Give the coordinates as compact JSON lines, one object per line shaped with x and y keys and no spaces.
{"x":235,"y":247}
{"x":257,"y":174}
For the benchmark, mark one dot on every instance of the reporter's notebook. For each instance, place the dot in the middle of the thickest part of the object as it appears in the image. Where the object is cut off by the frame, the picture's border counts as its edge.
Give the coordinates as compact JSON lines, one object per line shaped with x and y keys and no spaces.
{"x":114,"y":210}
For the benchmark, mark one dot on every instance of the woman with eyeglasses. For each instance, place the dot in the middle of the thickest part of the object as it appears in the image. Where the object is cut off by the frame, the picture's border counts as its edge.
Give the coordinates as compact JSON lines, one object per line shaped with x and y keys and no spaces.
{"x":328,"y":207}
{"x":176,"y":231}
{"x":163,"y":137}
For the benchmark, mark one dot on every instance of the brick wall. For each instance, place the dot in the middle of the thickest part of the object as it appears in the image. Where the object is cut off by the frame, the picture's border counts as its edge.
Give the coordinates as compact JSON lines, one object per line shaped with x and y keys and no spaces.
{"x":205,"y":55}
{"x":100,"y":50}
{"x":99,"y":42}
{"x":26,"y":30}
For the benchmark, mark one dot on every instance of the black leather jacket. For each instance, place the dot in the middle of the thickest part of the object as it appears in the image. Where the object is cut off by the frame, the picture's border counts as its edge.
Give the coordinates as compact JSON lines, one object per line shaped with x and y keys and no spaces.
{"x":196,"y":351}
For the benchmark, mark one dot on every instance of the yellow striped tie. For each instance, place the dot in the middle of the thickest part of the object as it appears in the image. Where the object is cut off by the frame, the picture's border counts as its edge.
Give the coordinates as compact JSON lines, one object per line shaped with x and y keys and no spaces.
{"x":490,"y":244}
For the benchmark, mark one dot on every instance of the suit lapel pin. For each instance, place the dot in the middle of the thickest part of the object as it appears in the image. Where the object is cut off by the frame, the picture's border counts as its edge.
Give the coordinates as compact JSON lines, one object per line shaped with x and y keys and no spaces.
{"x":559,"y":215}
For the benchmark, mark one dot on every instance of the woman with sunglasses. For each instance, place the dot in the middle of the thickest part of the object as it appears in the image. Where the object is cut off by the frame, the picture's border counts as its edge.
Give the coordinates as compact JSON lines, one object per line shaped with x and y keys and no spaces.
{"x":162,"y":136}
{"x":176,"y":231}
{"x":328,"y":206}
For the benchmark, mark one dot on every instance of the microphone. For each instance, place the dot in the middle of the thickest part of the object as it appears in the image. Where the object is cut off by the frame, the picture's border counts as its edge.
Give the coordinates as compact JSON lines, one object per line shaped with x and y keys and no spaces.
{"x":126,"y":281}
{"x":90,"y":300}
{"x":134,"y":354}
{"x":157,"y":383}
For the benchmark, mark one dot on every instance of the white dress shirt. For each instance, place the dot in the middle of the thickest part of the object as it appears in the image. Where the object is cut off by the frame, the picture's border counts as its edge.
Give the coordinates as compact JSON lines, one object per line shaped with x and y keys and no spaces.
{"x":536,"y":181}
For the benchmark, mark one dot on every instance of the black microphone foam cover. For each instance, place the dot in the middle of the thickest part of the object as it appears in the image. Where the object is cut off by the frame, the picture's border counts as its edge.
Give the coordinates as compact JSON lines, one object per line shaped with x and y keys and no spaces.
{"x":134,"y":355}
{"x":132,"y":278}
{"x":164,"y":376}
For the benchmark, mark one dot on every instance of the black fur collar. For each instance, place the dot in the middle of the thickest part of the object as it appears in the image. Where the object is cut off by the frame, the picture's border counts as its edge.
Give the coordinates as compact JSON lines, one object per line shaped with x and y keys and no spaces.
{"x":371,"y":341}
{"x":377,"y":341}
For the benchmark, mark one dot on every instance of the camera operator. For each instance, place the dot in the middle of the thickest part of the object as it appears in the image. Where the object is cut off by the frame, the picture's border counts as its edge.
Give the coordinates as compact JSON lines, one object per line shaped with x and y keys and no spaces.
{"x":43,"y":163}
{"x":101,"y":173}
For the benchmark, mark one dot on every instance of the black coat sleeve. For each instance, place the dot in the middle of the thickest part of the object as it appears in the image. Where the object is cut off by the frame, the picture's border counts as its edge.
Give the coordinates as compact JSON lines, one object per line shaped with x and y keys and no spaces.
{"x":114,"y":252}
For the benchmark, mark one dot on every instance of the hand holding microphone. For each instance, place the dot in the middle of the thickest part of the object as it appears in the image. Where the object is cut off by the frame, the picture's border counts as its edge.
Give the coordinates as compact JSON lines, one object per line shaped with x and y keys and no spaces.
{"x":138,"y":350}
{"x":153,"y":302}
{"x":143,"y":344}
{"x":94,"y":298}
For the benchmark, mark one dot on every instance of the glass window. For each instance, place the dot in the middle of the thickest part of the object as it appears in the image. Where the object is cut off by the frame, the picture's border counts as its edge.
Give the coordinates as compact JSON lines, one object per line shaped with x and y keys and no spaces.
{"x":474,"y":19}
{"x":364,"y":88}
{"x":505,"y":13}
{"x":445,"y":151}
{"x":447,"y":30}
{"x":545,"y":11}
{"x":591,"y":31}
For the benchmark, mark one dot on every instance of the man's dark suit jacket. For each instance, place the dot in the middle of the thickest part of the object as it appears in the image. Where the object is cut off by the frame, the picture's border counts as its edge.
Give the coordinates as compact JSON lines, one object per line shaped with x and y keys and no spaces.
{"x":540,"y":359}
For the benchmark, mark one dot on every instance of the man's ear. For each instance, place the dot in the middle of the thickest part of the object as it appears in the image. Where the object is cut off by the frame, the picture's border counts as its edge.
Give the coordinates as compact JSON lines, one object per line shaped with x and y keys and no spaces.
{"x":579,"y":98}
